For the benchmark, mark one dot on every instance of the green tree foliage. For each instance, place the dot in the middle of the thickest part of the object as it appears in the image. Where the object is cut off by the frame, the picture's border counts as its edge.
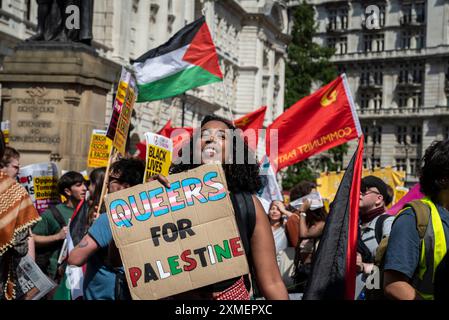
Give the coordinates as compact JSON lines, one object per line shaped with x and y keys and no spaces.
{"x":308,"y":63}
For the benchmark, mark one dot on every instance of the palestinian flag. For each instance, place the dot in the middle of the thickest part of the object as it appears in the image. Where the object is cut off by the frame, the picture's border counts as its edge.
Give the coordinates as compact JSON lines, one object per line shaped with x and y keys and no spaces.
{"x":71,"y":286}
{"x":188,"y":60}
{"x":334,"y":264}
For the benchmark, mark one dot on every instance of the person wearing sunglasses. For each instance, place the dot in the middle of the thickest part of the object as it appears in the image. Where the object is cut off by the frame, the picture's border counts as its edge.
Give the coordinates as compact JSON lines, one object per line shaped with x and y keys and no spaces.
{"x":375,"y":224}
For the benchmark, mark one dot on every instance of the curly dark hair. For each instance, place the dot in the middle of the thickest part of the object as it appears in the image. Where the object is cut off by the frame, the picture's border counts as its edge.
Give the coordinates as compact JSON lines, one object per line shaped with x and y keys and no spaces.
{"x":239,"y":177}
{"x":434,"y":173}
{"x":130,"y":171}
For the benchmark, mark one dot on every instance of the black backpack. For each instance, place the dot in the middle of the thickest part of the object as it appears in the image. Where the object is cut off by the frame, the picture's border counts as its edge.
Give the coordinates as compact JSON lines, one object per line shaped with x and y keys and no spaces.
{"x":43,"y":254}
{"x":367,"y":256}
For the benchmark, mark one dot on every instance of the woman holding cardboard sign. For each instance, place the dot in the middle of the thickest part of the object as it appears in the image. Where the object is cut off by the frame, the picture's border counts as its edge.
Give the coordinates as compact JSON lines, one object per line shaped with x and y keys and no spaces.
{"x":219,"y":142}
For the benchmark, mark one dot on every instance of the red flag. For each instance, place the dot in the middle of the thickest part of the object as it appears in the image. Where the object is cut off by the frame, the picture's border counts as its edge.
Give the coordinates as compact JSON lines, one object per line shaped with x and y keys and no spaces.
{"x":316,"y":123}
{"x":165,"y":131}
{"x":178,"y":135}
{"x":253,"y":120}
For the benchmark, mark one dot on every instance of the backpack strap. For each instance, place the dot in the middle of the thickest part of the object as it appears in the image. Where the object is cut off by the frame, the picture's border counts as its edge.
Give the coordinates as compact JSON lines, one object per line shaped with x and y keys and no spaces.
{"x":379,"y":228}
{"x":422,"y":214}
{"x":245,"y":216}
{"x":58,"y":216}
{"x":364,"y":251}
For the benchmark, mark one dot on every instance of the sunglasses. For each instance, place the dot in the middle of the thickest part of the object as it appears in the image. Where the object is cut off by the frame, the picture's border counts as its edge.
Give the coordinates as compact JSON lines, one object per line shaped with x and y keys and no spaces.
{"x":364,"y":193}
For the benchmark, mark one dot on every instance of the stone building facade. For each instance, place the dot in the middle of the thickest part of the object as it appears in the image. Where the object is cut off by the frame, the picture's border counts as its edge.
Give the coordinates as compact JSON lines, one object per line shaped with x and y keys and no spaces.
{"x":251,"y":37}
{"x":396,"y":56}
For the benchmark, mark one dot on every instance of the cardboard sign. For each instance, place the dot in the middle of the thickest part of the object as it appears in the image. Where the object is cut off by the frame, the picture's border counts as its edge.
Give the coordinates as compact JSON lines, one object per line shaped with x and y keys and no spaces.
{"x":99,"y":150}
{"x":5,"y":127}
{"x":159,"y":155}
{"x":118,"y":102}
{"x":40,"y":180}
{"x":125,"y":119}
{"x":123,"y":108}
{"x":179,"y":239}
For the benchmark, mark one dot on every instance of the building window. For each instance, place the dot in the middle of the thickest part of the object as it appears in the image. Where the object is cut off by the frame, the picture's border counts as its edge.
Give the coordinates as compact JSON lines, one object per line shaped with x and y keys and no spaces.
{"x":409,"y":100}
{"x":332,"y":19}
{"x":377,"y":135}
{"x":27,"y":9}
{"x":420,"y":10}
{"x":338,"y":19}
{"x":331,"y":42}
{"x":371,"y":101}
{"x":381,"y":15}
{"x":343,"y":45}
{"x":401,"y":135}
{"x":401,"y":164}
{"x":402,"y":100}
{"x":411,"y":73}
{"x":416,"y":135}
{"x":343,"y":13}
{"x":374,"y":42}
{"x":406,"y":39}
{"x":366,"y":133}
{"x":372,"y":75}
{"x":364,"y":101}
{"x":377,"y":99}
{"x":367,"y":42}
{"x":407,"y":12}
{"x":414,"y":166}
{"x":420,"y":40}
{"x":417,"y":72}
{"x":339,"y":44}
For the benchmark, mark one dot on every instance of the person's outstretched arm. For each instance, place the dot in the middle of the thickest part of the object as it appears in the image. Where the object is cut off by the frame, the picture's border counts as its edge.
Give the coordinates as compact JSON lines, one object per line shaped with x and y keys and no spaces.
{"x":264,"y":257}
{"x":79,"y":255}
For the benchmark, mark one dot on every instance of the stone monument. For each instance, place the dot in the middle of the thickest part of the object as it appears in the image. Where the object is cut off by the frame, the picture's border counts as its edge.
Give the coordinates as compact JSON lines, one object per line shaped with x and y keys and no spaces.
{"x":54,"y":93}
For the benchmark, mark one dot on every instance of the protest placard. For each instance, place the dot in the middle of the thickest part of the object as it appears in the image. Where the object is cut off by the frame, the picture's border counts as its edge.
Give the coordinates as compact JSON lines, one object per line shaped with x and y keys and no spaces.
{"x":173,"y":240}
{"x":124,"y":120}
{"x":40,"y":180}
{"x":123,"y":108}
{"x":5,"y":127}
{"x":118,"y":102}
{"x":99,"y":149}
{"x":159,"y":155}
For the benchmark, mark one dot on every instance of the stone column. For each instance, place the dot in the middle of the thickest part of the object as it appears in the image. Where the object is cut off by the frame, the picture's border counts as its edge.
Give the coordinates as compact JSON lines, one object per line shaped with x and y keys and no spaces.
{"x":55,"y":94}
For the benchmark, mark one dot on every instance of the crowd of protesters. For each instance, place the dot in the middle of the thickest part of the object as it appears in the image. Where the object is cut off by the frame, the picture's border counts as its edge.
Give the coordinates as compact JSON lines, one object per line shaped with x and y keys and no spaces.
{"x":407,"y":251}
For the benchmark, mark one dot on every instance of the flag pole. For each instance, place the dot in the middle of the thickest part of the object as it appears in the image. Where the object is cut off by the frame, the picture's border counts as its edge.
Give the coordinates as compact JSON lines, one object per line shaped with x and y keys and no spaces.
{"x":112,"y":158}
{"x":183,"y":99}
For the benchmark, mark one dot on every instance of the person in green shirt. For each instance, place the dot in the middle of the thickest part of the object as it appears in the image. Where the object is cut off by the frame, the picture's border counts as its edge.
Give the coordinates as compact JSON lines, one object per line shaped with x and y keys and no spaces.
{"x":50,"y":232}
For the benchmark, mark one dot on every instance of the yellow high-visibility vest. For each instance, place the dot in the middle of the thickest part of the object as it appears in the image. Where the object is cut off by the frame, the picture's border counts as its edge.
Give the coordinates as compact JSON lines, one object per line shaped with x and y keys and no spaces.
{"x":432,"y":251}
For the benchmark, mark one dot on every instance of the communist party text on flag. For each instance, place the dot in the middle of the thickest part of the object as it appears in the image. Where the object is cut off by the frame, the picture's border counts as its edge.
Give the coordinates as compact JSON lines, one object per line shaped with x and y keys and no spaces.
{"x":316,"y":123}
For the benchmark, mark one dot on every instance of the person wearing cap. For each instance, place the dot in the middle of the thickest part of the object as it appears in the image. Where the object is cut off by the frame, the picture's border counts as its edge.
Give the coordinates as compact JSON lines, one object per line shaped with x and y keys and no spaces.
{"x":415,"y":266}
{"x":375,"y":224}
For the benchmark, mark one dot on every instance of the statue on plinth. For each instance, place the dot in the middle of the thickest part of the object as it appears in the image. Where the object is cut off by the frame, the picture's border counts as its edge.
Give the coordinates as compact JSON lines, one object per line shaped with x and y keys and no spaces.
{"x":64,"y":21}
